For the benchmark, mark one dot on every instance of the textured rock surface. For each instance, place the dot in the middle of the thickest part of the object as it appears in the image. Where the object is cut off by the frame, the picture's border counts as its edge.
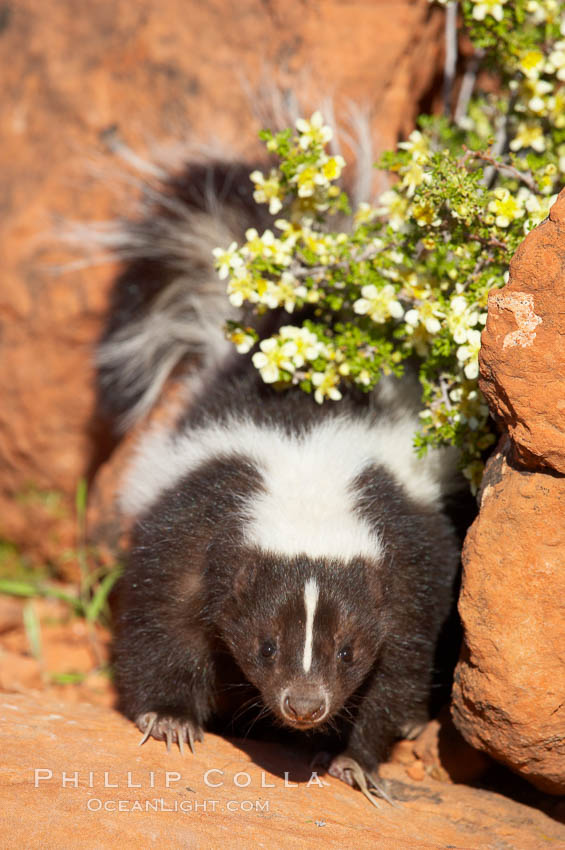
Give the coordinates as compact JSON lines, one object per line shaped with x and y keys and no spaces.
{"x":509,"y":692}
{"x":158,"y":72}
{"x":80,"y":795}
{"x":523,"y":346}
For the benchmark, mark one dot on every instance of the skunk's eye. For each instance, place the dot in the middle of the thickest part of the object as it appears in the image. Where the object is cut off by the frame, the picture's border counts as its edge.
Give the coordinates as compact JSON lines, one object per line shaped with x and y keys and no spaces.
{"x":345,"y":654}
{"x":268,"y":649}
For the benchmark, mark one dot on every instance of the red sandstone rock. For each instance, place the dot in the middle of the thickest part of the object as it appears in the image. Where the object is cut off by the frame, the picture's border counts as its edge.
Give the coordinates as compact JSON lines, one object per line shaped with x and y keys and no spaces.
{"x":162,"y":72}
{"x":65,"y":770}
{"x":509,"y":692}
{"x":523,"y":354}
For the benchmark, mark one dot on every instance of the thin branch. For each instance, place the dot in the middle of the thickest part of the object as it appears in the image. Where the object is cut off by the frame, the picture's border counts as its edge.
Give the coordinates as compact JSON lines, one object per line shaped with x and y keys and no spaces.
{"x":300,"y":271}
{"x":495,"y":165}
{"x":444,"y":393}
{"x":450,"y":55}
{"x":499,"y":144}
{"x":468,"y":85}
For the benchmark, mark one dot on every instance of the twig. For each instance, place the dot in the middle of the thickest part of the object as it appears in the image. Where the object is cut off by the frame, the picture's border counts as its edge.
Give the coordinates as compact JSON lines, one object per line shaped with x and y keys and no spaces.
{"x":444,"y":393}
{"x":450,"y":55}
{"x":468,"y":85}
{"x":496,"y":165}
{"x":499,"y":145}
{"x":300,"y":271}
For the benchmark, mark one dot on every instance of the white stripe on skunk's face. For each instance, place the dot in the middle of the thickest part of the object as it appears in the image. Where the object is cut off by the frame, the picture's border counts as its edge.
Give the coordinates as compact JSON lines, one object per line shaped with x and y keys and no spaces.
{"x":305,"y":632}
{"x":310,"y":601}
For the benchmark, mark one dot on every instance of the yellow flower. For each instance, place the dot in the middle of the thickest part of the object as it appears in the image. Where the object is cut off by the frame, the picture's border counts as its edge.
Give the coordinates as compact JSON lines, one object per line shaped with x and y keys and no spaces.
{"x":332,"y":167}
{"x":505,"y":207}
{"x":424,"y":214}
{"x":531,"y":64}
{"x":528,"y":135}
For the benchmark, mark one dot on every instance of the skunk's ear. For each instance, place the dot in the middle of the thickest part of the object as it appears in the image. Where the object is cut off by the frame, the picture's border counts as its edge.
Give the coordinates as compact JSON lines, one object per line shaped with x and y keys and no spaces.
{"x":244,"y":577}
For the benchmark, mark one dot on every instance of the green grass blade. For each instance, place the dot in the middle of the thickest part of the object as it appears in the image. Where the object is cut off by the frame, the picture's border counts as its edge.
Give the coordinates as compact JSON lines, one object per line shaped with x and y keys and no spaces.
{"x":13,"y":587}
{"x":100,"y":597}
{"x":32,"y":629}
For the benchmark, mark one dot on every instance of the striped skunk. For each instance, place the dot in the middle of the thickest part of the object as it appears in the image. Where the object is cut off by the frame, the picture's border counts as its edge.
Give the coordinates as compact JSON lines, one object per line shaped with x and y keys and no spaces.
{"x":288,"y":559}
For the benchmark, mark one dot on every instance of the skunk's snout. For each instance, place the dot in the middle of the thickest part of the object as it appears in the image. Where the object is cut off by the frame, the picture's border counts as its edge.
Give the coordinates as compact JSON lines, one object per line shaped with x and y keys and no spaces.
{"x":303,"y":706}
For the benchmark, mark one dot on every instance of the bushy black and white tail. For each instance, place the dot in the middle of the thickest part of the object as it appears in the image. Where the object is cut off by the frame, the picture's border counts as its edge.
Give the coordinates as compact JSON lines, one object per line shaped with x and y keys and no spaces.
{"x":168,"y":306}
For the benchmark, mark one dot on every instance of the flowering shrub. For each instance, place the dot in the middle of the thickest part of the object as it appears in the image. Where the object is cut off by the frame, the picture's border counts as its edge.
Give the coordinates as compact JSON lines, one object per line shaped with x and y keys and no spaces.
{"x":408,"y":277}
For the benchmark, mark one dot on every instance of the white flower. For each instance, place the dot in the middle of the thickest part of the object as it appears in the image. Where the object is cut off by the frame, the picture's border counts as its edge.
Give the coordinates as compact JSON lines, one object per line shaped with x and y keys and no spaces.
{"x":365,"y":213}
{"x":326,"y":385}
{"x":428,"y":314}
{"x":241,"y":288}
{"x":535,"y":92}
{"x":461,"y":318}
{"x":227,"y":260}
{"x":268,"y":360}
{"x":379,"y":304}
{"x":267,"y":190}
{"x":413,"y":176}
{"x":243,"y":342}
{"x":528,"y":136}
{"x":543,"y":10}
{"x":307,"y":177}
{"x":483,"y":8}
{"x":556,"y":63}
{"x":302,"y":344}
{"x":363,"y":378}
{"x":417,"y":145}
{"x":395,"y":207}
{"x":468,"y":355}
{"x":286,"y":292}
{"x":313,"y":132}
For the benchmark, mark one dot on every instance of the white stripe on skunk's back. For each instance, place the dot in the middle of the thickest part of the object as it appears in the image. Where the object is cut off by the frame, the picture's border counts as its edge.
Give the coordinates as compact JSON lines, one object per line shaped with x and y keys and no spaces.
{"x":308,"y":505}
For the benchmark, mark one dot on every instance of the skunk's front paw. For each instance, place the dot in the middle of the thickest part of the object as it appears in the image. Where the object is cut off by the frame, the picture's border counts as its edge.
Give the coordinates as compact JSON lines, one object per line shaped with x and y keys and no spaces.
{"x":350,"y":771}
{"x":169,"y":729}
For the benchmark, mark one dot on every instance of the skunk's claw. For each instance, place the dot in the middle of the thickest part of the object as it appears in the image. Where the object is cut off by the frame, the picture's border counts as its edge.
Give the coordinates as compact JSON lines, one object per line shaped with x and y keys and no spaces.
{"x":169,"y":729}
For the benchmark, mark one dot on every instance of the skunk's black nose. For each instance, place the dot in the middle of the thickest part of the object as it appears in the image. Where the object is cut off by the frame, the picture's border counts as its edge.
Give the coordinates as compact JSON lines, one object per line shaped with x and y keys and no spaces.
{"x":304,"y":706}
